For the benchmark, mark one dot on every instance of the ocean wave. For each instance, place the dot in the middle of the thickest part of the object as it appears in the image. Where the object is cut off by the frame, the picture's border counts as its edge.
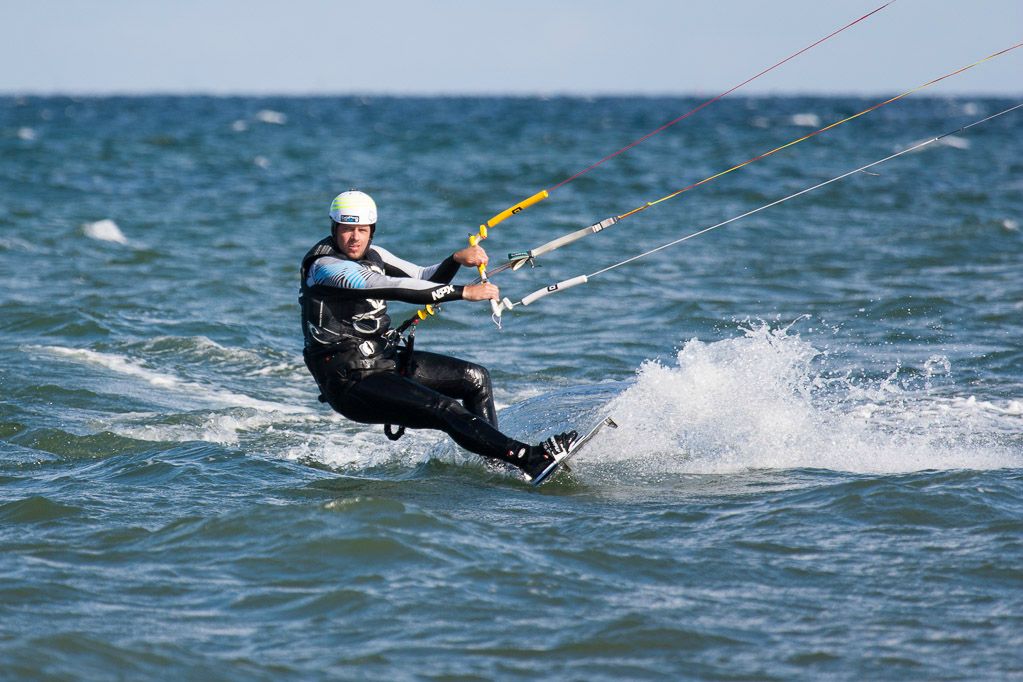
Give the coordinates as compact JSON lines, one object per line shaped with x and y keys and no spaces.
{"x":36,"y":509}
{"x":124,"y":365}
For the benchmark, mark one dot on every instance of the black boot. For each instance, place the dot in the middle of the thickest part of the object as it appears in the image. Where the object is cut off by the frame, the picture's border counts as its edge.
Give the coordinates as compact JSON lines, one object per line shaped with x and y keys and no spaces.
{"x":541,"y":459}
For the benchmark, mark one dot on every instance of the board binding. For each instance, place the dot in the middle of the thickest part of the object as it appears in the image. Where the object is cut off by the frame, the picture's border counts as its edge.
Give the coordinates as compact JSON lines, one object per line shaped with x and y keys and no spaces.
{"x":562,"y":462}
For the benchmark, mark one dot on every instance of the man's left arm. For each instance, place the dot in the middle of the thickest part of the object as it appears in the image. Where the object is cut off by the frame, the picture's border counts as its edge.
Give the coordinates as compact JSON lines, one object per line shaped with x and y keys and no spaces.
{"x":442,"y":272}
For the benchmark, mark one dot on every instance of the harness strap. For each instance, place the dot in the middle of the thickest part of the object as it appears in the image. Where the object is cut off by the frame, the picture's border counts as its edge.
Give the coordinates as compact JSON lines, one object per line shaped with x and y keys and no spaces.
{"x":405,"y":361}
{"x":393,"y":433}
{"x":404,"y":367}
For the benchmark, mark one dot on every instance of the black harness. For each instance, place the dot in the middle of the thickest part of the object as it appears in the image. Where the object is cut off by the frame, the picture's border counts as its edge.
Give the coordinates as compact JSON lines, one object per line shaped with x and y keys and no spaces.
{"x":348,"y":337}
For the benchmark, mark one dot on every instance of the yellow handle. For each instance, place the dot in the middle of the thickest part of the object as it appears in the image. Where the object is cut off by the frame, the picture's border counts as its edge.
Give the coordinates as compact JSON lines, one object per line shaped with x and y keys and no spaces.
{"x":475,"y":239}
{"x":521,"y":206}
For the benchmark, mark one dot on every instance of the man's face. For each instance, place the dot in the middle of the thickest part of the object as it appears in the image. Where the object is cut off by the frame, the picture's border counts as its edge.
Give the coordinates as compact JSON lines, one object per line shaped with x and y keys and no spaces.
{"x":353,"y":240}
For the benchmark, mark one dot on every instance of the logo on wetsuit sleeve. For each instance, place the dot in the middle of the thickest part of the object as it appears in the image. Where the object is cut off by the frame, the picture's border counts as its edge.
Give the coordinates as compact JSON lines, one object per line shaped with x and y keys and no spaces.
{"x":442,"y":292}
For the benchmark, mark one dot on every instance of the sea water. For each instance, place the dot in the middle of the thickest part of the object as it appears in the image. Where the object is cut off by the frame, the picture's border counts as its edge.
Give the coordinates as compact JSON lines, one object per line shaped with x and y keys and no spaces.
{"x":819,"y":465}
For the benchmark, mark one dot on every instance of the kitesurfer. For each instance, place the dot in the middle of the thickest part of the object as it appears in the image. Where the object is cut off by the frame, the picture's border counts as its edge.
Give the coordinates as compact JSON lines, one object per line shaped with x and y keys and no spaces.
{"x":357,"y":360}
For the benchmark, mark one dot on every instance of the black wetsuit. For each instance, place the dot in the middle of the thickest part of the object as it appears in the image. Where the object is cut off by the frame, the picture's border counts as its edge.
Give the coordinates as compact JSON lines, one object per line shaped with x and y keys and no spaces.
{"x":363,"y":374}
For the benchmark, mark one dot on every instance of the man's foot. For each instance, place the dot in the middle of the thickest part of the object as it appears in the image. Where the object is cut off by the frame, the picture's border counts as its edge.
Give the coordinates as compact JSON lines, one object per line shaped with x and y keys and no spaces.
{"x":541,"y":459}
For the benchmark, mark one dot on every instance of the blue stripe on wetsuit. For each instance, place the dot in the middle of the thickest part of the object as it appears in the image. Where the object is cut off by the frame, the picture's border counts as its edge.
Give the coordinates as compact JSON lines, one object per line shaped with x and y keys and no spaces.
{"x":342,"y":275}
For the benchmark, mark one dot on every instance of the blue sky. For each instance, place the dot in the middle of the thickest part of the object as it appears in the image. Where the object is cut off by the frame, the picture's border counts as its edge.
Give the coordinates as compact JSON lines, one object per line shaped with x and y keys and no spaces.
{"x":525,"y":47}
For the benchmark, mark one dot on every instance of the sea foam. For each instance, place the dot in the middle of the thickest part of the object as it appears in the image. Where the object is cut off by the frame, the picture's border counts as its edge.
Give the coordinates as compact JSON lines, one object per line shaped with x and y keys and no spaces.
{"x":271,"y":116}
{"x":195,"y":392}
{"x":105,"y":230}
{"x":763,"y":401}
{"x":806,"y":120}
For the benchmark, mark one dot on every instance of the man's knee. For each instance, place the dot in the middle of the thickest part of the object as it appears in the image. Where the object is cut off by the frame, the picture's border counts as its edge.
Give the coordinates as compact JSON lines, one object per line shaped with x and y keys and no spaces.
{"x":478,"y":376}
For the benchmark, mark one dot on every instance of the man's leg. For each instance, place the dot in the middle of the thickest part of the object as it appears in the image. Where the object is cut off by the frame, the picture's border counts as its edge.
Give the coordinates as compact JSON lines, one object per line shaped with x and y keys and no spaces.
{"x":388,"y":398}
{"x":457,"y":379}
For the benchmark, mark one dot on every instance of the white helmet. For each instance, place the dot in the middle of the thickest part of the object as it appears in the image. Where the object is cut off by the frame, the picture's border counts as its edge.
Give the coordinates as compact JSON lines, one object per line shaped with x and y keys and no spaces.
{"x":353,"y":208}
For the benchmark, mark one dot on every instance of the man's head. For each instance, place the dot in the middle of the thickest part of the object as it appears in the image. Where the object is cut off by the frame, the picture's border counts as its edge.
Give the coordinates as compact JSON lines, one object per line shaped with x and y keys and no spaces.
{"x":353,"y":220}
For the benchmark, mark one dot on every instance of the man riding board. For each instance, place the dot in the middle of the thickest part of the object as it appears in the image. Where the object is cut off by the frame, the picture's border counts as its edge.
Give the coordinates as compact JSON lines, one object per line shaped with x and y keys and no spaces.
{"x":355,"y":356}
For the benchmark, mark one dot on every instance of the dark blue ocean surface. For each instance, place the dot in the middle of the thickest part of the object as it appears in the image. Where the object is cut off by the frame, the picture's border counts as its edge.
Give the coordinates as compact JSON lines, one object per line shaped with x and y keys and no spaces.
{"x":819,"y":470}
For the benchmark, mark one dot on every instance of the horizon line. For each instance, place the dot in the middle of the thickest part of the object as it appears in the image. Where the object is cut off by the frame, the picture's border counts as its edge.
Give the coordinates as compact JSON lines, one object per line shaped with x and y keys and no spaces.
{"x":384,"y":94}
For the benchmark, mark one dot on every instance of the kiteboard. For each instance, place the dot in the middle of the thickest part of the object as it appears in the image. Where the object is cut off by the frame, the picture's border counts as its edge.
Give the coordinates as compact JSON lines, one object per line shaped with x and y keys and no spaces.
{"x":562,"y":461}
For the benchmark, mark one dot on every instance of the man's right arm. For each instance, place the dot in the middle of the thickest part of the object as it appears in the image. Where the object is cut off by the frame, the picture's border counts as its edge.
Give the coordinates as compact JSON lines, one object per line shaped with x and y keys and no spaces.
{"x":354,"y":280}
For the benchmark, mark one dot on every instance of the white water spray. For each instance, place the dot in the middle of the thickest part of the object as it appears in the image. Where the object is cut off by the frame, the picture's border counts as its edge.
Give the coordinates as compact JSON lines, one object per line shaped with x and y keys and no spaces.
{"x":761,"y":401}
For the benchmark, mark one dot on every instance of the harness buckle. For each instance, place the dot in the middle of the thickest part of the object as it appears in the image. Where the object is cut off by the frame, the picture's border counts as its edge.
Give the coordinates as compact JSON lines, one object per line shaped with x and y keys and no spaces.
{"x":392,"y":338}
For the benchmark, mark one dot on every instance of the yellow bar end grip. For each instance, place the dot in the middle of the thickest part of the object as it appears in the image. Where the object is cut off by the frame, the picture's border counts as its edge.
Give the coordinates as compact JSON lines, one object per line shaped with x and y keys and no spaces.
{"x":522,"y":205}
{"x":475,"y":239}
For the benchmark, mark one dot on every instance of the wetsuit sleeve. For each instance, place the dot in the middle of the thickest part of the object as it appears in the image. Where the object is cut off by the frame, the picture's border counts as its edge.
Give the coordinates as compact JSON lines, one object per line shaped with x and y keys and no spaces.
{"x":442,"y":272}
{"x":348,"y":278}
